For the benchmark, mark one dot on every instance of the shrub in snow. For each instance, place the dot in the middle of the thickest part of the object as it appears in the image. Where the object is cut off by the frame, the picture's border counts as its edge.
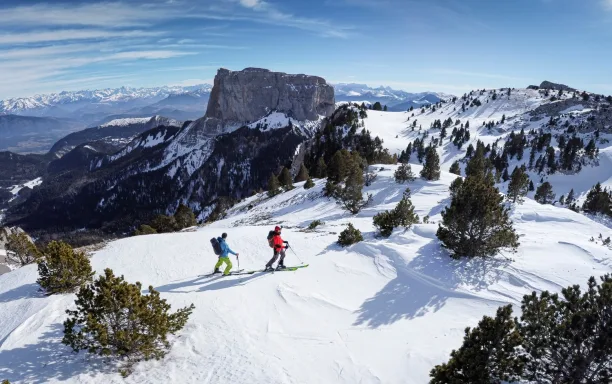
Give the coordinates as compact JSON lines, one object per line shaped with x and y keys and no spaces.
{"x":519,"y":185}
{"x":349,"y":236}
{"x":556,"y":340}
{"x":145,"y":230}
{"x":302,"y":174}
{"x":544,"y":194}
{"x":476,"y":223}
{"x":184,"y":217}
{"x":315,"y":224}
{"x":62,"y":270}
{"x":273,"y":185}
{"x":285,"y":179}
{"x":309,"y":184}
{"x":403,"y":173}
{"x":163,"y":224}
{"x":431,"y":168}
{"x":455,"y":168}
{"x":401,"y":216}
{"x":113,"y":318}
{"x":489,"y":354}
{"x":21,"y":249}
{"x":6,"y":382}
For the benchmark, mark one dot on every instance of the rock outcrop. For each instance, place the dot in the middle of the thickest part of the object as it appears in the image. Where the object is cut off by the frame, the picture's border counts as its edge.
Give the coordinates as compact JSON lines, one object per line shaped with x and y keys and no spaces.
{"x":556,"y":87}
{"x":240,"y":97}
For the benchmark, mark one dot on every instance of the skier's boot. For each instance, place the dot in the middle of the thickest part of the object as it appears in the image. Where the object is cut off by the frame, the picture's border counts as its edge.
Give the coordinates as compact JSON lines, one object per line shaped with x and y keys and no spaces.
{"x":268,"y":269}
{"x":216,"y":271}
{"x":280,"y":267}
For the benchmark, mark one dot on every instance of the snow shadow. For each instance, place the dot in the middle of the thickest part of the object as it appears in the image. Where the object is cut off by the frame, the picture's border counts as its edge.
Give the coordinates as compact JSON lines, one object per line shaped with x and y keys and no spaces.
{"x":22,"y":292}
{"x":208,"y":284}
{"x":425,"y":284}
{"x":49,"y":359}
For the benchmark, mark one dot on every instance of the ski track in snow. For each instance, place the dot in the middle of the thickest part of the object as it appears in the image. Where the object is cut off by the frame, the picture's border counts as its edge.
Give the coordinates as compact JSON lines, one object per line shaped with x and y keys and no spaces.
{"x":381,"y":311}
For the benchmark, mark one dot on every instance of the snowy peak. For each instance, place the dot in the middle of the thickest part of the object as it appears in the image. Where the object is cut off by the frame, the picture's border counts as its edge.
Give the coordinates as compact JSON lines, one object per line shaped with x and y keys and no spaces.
{"x":155,"y":121}
{"x":395,"y":100}
{"x":25,"y":105}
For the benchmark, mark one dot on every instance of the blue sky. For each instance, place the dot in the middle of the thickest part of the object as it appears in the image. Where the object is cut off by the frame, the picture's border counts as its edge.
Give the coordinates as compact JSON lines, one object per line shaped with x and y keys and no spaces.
{"x":417,"y":45}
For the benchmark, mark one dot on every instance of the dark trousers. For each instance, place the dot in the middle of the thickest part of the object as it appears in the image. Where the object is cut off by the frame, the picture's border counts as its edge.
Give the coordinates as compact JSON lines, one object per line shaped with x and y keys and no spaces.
{"x":280,"y":253}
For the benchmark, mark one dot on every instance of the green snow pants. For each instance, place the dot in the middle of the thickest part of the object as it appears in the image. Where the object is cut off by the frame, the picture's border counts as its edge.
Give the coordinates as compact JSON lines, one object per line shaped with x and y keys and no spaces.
{"x":227,"y":262}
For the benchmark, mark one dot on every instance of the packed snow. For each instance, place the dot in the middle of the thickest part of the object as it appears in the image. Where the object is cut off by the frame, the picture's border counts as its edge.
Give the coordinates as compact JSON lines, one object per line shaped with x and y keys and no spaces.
{"x":381,"y":311}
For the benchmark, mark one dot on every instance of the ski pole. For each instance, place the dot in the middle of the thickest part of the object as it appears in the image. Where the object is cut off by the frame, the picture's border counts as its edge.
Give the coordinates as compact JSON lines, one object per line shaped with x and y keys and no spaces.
{"x":296,"y":255}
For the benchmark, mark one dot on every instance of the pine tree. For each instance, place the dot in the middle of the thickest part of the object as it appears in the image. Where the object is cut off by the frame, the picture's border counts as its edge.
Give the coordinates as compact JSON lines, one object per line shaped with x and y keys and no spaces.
{"x":489,"y":354}
{"x":21,"y":249}
{"x":321,"y":168}
{"x":163,"y":224}
{"x":544,"y":194}
{"x":568,"y":340}
{"x":403,"y":173}
{"x":350,"y":236}
{"x":113,"y":318}
{"x":337,"y":168}
{"x":570,"y":197}
{"x":184,"y":217}
{"x":302,"y":174}
{"x":351,"y":195}
{"x":145,"y":230}
{"x":476,"y":223}
{"x":309,"y":184}
{"x":431,"y":168}
{"x":454,"y":168}
{"x":531,"y":186}
{"x":598,"y":200}
{"x":519,"y":185}
{"x":273,"y":185}
{"x":505,"y":175}
{"x":377,"y":106}
{"x":285,"y":179}
{"x":62,"y":270}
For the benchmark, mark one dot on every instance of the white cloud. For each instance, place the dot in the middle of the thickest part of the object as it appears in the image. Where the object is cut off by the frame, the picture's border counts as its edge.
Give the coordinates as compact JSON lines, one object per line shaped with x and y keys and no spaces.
{"x":71,"y":34}
{"x":251,"y":3}
{"x":607,"y":4}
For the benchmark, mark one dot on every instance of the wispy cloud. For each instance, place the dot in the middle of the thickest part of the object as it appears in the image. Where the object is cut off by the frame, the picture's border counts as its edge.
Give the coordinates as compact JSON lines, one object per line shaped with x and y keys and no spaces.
{"x":607,"y":4}
{"x":70,"y":35}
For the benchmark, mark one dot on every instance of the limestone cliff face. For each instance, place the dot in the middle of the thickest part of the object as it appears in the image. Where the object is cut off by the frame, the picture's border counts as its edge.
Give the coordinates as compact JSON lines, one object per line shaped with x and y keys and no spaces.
{"x":240,"y":97}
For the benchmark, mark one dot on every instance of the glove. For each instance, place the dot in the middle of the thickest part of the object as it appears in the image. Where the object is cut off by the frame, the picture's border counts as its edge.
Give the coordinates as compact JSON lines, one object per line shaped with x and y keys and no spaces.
{"x":286,"y":245}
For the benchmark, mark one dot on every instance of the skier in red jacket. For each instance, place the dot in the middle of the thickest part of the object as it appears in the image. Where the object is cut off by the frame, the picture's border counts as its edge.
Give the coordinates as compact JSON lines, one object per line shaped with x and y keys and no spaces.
{"x":279,"y":246}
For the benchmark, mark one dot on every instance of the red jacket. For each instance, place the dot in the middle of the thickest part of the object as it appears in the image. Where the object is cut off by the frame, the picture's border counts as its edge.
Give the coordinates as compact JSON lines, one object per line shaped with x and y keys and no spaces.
{"x":279,"y":244}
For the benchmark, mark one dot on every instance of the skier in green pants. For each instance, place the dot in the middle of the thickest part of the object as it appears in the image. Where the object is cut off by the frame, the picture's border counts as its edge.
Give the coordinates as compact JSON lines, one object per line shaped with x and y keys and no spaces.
{"x":224,"y":257}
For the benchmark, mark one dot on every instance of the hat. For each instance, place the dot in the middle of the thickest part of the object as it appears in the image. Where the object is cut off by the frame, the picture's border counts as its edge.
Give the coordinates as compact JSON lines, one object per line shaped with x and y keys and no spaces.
{"x":277,"y":228}
{"x":224,"y":235}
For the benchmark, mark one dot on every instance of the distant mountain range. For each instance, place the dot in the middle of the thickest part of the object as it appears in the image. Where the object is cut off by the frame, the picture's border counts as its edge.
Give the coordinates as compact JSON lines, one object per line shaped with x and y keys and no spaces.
{"x":33,"y":124}
{"x":395,"y":100}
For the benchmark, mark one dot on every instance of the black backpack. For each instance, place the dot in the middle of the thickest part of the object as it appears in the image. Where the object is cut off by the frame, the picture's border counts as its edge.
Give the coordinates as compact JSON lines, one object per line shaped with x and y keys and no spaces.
{"x":271,"y":238}
{"x":216,"y":246}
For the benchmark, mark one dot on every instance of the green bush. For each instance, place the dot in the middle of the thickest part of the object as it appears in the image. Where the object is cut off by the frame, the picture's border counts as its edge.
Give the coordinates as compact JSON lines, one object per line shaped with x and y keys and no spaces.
{"x":556,"y":340}
{"x":315,"y":224}
{"x":402,"y":215}
{"x":349,"y":236}
{"x":113,"y":318}
{"x":184,"y":217}
{"x":309,"y":184}
{"x":62,"y":270}
{"x":145,"y":230}
{"x":164,"y":224}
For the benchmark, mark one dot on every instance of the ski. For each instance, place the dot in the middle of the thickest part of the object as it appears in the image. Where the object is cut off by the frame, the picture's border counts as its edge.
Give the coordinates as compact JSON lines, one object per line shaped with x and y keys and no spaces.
{"x":238,"y":272}
{"x":291,"y":268}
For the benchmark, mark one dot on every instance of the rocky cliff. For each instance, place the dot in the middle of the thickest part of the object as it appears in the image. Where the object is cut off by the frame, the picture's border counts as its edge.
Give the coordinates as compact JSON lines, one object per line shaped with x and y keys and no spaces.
{"x":240,"y":97}
{"x":257,"y":122}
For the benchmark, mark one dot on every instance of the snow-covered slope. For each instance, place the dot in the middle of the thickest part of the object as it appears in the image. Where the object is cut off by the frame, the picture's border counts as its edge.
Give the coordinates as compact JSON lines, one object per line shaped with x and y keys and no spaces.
{"x":381,"y":311}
